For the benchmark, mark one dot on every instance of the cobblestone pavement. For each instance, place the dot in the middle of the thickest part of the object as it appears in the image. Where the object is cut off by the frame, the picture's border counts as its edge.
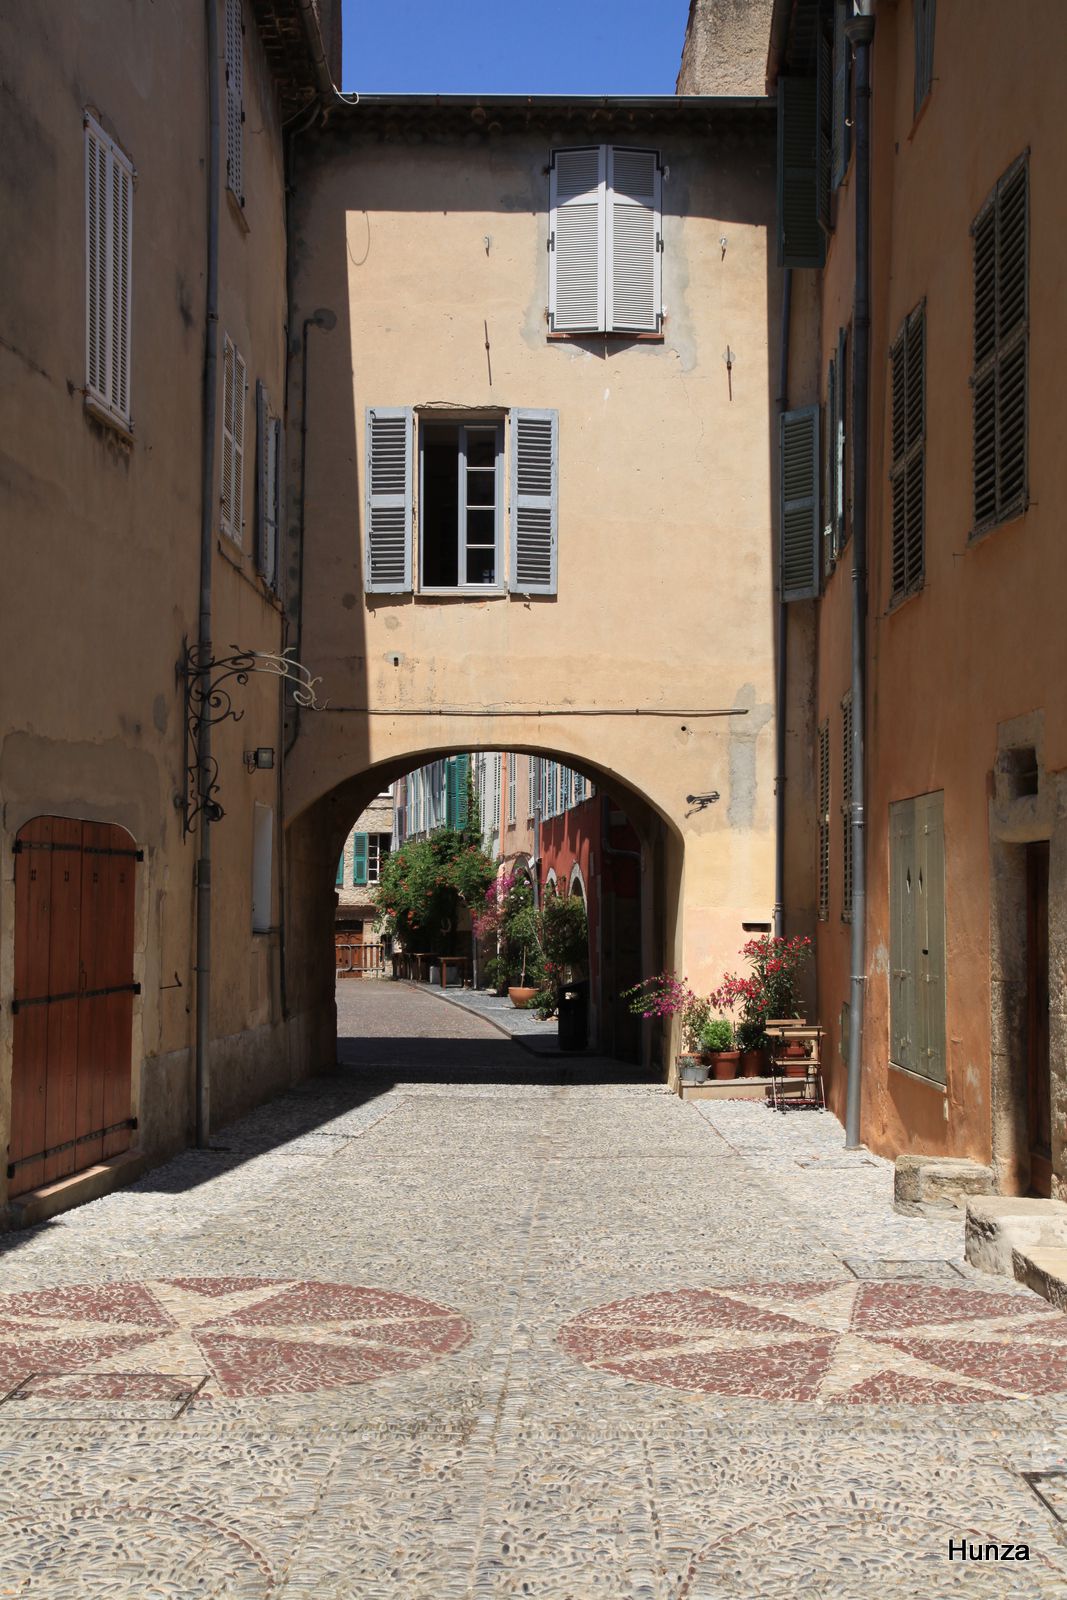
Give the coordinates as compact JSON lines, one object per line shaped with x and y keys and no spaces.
{"x":458,"y":1324}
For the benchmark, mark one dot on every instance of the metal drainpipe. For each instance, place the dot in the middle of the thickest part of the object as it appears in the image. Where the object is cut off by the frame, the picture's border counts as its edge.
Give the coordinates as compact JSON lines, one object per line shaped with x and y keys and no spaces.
{"x":207,"y":528}
{"x":860,"y":32}
{"x":783,"y":626}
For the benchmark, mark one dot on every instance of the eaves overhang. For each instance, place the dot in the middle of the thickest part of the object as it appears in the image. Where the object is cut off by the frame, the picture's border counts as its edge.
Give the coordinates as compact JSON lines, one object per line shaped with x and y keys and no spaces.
{"x":457,"y":113}
{"x":292,"y":42}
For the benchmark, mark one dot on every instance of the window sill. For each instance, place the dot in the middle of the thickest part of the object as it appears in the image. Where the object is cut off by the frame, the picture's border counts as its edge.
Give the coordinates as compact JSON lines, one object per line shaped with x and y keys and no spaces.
{"x":918,"y":1077}
{"x":616,"y":336}
{"x":100,"y":413}
{"x":465,"y":592}
{"x":899,"y":601}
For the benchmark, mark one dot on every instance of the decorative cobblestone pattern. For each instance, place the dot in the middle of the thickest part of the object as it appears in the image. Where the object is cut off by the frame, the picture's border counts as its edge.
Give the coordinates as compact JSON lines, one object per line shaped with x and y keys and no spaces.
{"x":508,"y":1207}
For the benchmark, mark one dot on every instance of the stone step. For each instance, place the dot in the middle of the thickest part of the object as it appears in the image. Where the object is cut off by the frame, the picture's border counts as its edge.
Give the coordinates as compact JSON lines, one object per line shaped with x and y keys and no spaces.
{"x":1020,"y":1237}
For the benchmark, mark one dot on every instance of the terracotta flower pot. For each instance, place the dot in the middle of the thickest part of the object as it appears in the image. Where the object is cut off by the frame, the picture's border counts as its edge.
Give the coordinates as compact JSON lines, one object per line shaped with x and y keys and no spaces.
{"x":520,"y":997}
{"x":724,"y":1063}
{"x":753,"y":1063}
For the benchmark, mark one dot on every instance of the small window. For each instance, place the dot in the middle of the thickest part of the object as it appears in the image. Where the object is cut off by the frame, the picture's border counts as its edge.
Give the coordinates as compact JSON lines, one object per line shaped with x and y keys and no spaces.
{"x":234,"y":385}
{"x":377,"y":851}
{"x":108,"y":273}
{"x":908,"y":473}
{"x":262,"y":860}
{"x":1001,"y":350}
{"x":605,"y":241}
{"x":235,"y":115}
{"x":924,"y":49}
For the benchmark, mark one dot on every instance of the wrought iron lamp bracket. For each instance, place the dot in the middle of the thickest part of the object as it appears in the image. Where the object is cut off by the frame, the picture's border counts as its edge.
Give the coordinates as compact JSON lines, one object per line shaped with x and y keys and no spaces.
{"x":208,"y":682}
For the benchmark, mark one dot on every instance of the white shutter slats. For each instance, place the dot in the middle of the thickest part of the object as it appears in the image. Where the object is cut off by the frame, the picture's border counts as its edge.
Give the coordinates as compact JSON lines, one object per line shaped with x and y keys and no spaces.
{"x":108,"y":272}
{"x":268,"y":435}
{"x":534,"y":479}
{"x":233,"y":440}
{"x":633,"y":278}
{"x":387,"y":563}
{"x":239,"y":386}
{"x":576,"y":224}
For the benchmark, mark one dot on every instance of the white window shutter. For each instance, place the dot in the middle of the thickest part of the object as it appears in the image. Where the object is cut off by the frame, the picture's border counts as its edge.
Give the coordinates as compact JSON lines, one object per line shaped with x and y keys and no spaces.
{"x":226,"y":487}
{"x":234,"y":99}
{"x":108,"y":275}
{"x":576,"y":298}
{"x":387,"y":531}
{"x":799,"y":503}
{"x":534,"y":495}
{"x":633,"y":240}
{"x":278,"y":485}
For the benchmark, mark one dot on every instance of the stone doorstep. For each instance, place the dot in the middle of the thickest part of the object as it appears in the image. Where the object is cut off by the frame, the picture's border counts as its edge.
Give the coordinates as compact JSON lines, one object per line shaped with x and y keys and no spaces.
{"x":1020,"y":1237}
{"x":38,"y":1205}
{"x":942,"y":1182}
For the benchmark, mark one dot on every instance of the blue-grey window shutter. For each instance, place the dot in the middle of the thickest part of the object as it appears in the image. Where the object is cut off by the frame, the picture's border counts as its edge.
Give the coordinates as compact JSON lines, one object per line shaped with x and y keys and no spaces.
{"x":577,"y":192}
{"x":387,"y":530}
{"x":633,"y":240}
{"x":799,"y":503}
{"x":801,"y":241}
{"x":840,"y":520}
{"x":824,"y":162}
{"x":534,"y":494}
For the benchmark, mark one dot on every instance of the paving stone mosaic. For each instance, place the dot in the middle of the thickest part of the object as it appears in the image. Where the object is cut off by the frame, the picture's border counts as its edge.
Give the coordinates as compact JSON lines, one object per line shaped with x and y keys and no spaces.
{"x":469,"y":1324}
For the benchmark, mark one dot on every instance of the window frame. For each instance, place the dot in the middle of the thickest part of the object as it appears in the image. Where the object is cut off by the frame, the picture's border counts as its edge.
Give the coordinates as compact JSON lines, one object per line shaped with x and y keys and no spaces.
{"x":465,"y":423}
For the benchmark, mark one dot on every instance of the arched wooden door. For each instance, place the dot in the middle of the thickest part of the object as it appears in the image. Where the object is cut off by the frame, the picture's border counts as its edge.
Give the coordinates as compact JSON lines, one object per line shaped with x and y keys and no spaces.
{"x":73,"y":999}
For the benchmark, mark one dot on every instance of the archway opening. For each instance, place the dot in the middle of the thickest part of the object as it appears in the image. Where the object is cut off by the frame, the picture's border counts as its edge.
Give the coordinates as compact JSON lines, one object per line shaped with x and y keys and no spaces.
{"x":542,"y":818}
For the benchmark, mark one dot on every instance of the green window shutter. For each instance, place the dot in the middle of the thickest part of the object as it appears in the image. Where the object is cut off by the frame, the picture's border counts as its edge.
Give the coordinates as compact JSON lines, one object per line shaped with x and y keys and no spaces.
{"x":824,"y":820}
{"x":846,"y":808}
{"x":930,"y":937}
{"x":824,"y":83}
{"x":801,"y":241}
{"x":341,"y":871}
{"x":1001,"y":354}
{"x":451,"y":792}
{"x":387,"y":526}
{"x":903,"y":888}
{"x":359,"y":859}
{"x":799,"y":503}
{"x":841,"y":133}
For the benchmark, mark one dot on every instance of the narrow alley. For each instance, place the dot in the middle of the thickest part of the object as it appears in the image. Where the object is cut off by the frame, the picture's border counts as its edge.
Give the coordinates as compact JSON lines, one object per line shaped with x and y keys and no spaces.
{"x":460,"y":1322}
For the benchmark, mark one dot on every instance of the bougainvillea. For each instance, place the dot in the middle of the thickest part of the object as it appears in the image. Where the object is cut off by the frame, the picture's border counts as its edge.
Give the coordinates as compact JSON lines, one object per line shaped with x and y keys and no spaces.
{"x":424,"y":883}
{"x":666,"y":995}
{"x":773,"y":988}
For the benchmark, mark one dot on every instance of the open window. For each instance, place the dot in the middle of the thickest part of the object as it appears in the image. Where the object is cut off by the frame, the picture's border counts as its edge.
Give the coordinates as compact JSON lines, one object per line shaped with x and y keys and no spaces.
{"x":461,"y":502}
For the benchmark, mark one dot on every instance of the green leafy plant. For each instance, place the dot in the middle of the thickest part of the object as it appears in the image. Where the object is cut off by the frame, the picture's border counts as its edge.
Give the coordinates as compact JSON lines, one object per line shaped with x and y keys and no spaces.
{"x":425,"y":882}
{"x":716,"y":1034}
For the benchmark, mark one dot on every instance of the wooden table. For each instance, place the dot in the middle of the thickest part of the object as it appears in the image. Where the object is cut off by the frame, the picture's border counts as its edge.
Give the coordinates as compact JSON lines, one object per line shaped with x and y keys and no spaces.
{"x":452,"y":961}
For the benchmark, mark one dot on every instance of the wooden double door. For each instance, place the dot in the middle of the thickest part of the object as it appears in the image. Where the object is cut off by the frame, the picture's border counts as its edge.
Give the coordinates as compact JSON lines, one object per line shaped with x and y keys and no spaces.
{"x":73,"y":999}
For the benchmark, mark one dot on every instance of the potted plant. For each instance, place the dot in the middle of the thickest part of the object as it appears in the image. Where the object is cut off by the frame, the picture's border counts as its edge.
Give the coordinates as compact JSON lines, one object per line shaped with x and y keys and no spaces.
{"x":664,"y":996}
{"x":772,"y":989}
{"x":717,"y":1043}
{"x":752,"y":1043}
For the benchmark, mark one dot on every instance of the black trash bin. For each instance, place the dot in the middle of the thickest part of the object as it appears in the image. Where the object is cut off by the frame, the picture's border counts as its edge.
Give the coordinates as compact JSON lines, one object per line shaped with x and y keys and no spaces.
{"x":574,"y":1015}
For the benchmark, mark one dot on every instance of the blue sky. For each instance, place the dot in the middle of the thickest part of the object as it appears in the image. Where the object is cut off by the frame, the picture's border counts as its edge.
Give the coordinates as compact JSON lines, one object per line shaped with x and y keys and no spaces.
{"x":558,"y":47}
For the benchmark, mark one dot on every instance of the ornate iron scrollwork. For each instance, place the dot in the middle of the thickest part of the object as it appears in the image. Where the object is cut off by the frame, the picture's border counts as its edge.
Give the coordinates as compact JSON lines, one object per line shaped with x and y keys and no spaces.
{"x":209,"y":701}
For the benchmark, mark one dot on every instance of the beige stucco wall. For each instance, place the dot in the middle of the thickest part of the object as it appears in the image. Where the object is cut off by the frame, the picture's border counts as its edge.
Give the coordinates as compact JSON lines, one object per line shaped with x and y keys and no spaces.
{"x":982,"y":645}
{"x":725,"y":50}
{"x":102,"y":537}
{"x":665,"y":544}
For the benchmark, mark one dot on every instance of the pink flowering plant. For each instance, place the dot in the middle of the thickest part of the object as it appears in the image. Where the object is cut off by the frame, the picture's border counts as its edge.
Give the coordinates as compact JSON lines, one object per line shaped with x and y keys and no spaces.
{"x":772,"y":988}
{"x":666,"y":995}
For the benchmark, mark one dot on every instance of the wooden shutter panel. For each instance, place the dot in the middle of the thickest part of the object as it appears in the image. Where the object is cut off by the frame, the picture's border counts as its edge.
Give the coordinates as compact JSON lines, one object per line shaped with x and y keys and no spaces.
{"x":576,"y":298}
{"x":924,"y":11}
{"x":799,"y":503}
{"x":388,"y":503}
{"x":533,"y":776}
{"x":108,"y":274}
{"x":340,"y":871}
{"x":824,"y":820}
{"x":840,"y":428}
{"x":1001,"y":334}
{"x":359,"y":859}
{"x":829,"y":476}
{"x":267,"y":432}
{"x":96,"y":261}
{"x":846,"y":808}
{"x":229,"y":362}
{"x":930,"y":937}
{"x":908,"y":471}
{"x":234,"y":100}
{"x":121,"y":245}
{"x":801,"y":241}
{"x":534,"y":480}
{"x":238,"y":491}
{"x":633,"y":238}
{"x":841,"y":131}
